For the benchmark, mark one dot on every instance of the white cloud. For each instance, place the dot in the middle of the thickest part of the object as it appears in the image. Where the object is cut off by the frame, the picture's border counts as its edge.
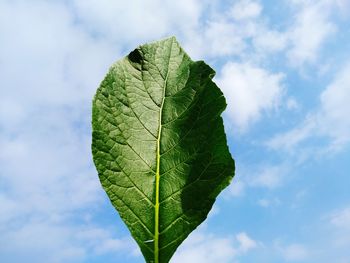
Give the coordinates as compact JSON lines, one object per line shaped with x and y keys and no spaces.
{"x":311,"y":29}
{"x":262,"y":176}
{"x":330,"y":120}
{"x":8,"y":210}
{"x":292,"y":104}
{"x":218,"y":38}
{"x":270,"y":176}
{"x":339,"y":226}
{"x":268,"y":41}
{"x":130,"y":22}
{"x":47,"y":241}
{"x":245,"y":242}
{"x":295,"y":252}
{"x":204,"y":31}
{"x":329,"y":243}
{"x":245,"y":9}
{"x":341,"y":219}
{"x":54,"y":55}
{"x":264,"y":202}
{"x":250,"y":91}
{"x":49,"y":188}
{"x":333,"y":117}
{"x":49,"y":97}
{"x":215,"y":210}
{"x":290,"y":139}
{"x":110,"y":245}
{"x":343,"y":7}
{"x":207,"y":248}
{"x":100,"y":241}
{"x":240,"y":32}
{"x":243,"y":31}
{"x":236,"y":188}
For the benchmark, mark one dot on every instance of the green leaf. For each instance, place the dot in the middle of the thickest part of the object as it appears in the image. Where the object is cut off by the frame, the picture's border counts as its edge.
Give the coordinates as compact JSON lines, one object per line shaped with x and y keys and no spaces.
{"x":159,"y":144}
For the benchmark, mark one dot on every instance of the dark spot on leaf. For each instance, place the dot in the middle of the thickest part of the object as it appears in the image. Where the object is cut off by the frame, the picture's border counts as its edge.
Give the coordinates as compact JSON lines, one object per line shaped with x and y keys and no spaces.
{"x":135,"y":56}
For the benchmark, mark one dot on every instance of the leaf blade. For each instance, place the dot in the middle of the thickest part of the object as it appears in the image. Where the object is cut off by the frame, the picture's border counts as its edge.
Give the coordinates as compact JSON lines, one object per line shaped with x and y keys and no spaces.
{"x":158,"y":142}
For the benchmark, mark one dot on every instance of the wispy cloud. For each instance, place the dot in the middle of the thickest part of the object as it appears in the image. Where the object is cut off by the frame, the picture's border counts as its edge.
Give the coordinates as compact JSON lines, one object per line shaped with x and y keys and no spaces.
{"x":295,"y":252}
{"x":341,"y":219}
{"x":311,"y":29}
{"x":260,"y":176}
{"x":329,"y":121}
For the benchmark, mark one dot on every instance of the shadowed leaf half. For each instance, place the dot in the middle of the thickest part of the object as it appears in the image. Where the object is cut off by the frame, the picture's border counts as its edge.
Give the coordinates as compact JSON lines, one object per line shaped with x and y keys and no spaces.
{"x":159,"y":144}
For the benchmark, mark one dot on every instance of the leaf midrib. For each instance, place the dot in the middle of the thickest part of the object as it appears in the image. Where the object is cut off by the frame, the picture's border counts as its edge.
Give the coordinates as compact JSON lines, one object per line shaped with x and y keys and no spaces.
{"x":157,"y":204}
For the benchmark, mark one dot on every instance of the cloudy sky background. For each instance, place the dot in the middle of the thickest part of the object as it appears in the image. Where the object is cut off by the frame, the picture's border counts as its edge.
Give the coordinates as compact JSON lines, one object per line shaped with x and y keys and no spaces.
{"x":284,"y":67}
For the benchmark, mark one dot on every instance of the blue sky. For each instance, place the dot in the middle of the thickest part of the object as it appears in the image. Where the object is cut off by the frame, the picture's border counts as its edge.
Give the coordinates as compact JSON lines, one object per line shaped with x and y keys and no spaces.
{"x":284,"y":67}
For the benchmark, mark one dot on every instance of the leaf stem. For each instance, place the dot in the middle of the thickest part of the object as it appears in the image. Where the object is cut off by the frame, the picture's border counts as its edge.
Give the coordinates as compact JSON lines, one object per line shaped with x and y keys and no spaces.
{"x":156,"y":225}
{"x":157,"y":204}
